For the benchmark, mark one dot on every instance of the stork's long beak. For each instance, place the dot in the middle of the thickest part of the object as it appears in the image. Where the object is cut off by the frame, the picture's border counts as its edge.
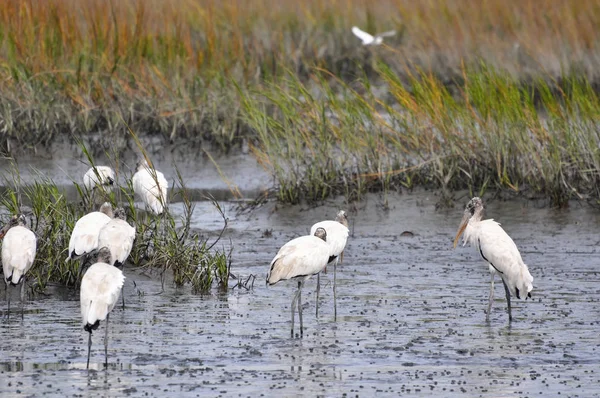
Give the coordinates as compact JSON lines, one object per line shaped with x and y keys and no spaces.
{"x":4,"y":230}
{"x":461,"y":228}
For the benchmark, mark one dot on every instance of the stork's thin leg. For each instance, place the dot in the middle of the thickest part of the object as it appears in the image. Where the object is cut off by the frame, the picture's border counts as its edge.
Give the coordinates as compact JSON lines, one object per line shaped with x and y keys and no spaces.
{"x":335,"y":290}
{"x":7,"y":301}
{"x":294,"y":302}
{"x":489,"y":310}
{"x":106,"y":343}
{"x":123,"y":296}
{"x":318,"y":289}
{"x":341,"y":257}
{"x":22,"y":296}
{"x":89,"y":349}
{"x":507,"y":300}
{"x":300,"y":306}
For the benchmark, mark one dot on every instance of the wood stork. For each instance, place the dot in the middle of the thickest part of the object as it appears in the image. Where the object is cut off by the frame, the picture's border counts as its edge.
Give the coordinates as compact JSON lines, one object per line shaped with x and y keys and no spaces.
{"x":151,"y":185}
{"x":99,"y":181}
{"x":300,"y":258}
{"x":370,"y":40}
{"x":337,"y":236}
{"x":99,"y":175}
{"x":84,"y":238}
{"x":498,"y":250}
{"x":18,"y":254}
{"x":118,"y":236}
{"x":100,"y":289}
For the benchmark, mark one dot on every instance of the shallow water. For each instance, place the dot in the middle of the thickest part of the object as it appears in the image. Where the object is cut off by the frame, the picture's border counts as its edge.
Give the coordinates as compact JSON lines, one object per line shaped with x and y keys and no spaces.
{"x":410,"y":316}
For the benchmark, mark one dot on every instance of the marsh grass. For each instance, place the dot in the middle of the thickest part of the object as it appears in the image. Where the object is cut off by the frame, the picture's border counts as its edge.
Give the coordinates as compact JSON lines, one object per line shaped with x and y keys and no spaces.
{"x":166,"y":67}
{"x":477,"y":95}
{"x":536,"y":139}
{"x":163,"y":243}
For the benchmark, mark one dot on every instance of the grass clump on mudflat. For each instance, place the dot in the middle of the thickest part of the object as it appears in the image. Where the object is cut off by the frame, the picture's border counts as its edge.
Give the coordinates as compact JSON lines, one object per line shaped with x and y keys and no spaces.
{"x":162,"y":243}
{"x":538,"y":139}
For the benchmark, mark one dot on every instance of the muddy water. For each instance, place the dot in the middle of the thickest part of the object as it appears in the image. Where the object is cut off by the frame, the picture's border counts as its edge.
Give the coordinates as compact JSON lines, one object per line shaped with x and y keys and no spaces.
{"x":410,"y":316}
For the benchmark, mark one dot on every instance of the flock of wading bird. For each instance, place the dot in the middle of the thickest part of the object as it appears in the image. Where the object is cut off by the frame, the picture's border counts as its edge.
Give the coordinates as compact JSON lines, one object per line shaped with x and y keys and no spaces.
{"x":107,"y":235}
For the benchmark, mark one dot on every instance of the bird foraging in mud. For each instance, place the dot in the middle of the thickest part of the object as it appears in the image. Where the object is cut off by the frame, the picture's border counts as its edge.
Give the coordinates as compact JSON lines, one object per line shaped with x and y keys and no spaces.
{"x":299,"y":259}
{"x":337,"y":236}
{"x":498,"y":250}
{"x":100,"y":289}
{"x":84,"y":238}
{"x":18,"y":253}
{"x":370,"y":40}
{"x":150,"y":185}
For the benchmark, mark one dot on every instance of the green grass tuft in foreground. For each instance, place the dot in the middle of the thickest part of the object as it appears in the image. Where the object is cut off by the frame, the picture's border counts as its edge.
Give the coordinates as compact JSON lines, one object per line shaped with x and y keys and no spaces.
{"x":162,"y":243}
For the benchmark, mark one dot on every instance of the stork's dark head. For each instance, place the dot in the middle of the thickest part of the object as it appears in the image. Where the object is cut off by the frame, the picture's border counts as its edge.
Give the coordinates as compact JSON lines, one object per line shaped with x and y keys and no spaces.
{"x":18,"y":219}
{"x":474,"y":209}
{"x":342,"y":218}
{"x":321,"y":233}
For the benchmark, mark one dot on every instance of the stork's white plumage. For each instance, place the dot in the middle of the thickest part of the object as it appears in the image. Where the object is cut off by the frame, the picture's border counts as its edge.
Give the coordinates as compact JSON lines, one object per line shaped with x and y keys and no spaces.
{"x":370,"y":40}
{"x":18,"y":253}
{"x":99,"y":175}
{"x":18,"y":249}
{"x":84,"y":238}
{"x":100,"y":289}
{"x":150,"y":185}
{"x":118,"y":236}
{"x":300,"y":258}
{"x":337,"y":236}
{"x":498,"y":250}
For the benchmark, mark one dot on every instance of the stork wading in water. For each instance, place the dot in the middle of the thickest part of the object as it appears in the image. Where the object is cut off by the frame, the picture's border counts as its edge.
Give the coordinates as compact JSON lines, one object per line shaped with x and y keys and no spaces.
{"x":150,"y":185}
{"x":100,"y":289}
{"x":498,"y":250}
{"x":300,"y":259}
{"x":18,"y":253}
{"x":337,"y":236}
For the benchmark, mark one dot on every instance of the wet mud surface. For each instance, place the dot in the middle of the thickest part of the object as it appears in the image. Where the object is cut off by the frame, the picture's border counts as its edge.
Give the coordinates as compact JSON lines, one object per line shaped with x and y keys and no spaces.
{"x":410,"y":315}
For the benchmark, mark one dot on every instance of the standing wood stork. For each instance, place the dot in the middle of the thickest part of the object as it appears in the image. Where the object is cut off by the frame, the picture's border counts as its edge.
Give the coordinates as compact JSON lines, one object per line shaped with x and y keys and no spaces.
{"x":98,"y":178}
{"x":99,"y":175}
{"x":370,"y":40}
{"x":498,"y":250}
{"x":300,"y":258}
{"x":84,"y":238}
{"x":118,"y":236}
{"x":337,"y":236}
{"x":100,"y":289}
{"x":151,"y":185}
{"x":18,"y":253}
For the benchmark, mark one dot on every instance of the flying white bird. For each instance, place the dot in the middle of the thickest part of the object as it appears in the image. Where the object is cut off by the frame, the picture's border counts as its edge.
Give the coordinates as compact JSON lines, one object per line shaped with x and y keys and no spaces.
{"x":300,"y":258}
{"x":498,"y":250}
{"x":151,"y":185}
{"x":100,"y":289}
{"x":18,"y":253}
{"x":370,"y":40}
{"x":99,"y":175}
{"x":337,"y":236}
{"x":84,"y":238}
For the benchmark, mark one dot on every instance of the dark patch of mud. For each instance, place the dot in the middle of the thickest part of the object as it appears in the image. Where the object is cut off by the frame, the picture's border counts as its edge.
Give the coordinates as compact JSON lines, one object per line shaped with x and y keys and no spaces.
{"x":410,"y":316}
